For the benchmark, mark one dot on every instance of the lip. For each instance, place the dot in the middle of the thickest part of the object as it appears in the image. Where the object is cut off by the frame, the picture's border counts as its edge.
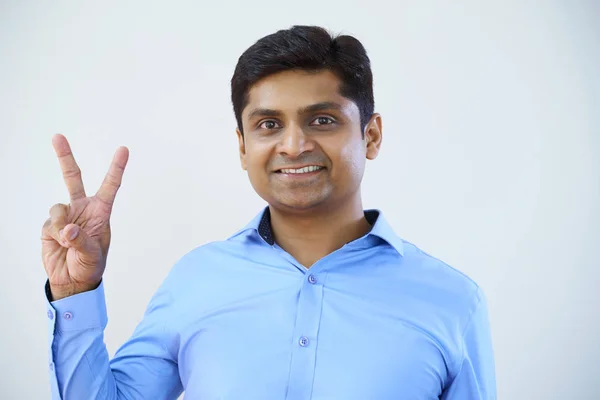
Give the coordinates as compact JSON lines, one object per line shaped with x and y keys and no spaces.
{"x":300,"y":175}
{"x":298,"y":167}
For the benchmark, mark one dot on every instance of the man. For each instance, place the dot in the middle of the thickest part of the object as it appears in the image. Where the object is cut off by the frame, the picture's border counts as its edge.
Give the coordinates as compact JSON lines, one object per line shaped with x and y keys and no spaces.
{"x":315,"y":298}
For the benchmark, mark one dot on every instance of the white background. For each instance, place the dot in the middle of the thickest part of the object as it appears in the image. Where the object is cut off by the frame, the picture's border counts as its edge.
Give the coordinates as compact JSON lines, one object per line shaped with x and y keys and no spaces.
{"x":490,"y":158}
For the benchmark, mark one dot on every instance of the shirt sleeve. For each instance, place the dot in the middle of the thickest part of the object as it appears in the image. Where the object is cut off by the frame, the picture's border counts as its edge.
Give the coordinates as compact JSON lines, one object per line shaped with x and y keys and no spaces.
{"x":476,"y":378}
{"x":143,"y":368}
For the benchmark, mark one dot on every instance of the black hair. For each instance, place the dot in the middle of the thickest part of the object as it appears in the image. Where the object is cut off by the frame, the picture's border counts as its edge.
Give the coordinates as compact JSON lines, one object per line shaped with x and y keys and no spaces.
{"x":309,"y":48}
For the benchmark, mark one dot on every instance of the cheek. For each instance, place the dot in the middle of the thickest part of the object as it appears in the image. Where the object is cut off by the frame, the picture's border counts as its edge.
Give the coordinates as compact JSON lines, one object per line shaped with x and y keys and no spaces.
{"x":257,"y":160}
{"x":352,"y":160}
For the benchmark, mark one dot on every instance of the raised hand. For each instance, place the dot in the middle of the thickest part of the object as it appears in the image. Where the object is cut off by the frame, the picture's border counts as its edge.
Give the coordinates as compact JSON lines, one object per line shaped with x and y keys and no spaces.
{"x":76,"y":237}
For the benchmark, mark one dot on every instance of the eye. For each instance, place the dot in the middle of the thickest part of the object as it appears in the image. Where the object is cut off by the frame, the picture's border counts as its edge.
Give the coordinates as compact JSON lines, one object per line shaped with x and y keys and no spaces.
{"x":320,"y":121}
{"x":269,"y":124}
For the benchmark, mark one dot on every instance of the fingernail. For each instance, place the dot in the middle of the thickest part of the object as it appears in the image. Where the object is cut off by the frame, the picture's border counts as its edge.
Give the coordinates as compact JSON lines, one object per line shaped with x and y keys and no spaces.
{"x":74,"y":233}
{"x":60,"y":233}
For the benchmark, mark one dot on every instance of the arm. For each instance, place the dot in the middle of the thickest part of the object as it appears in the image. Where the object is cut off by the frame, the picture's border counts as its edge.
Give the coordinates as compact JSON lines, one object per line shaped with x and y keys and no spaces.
{"x":145,"y":367}
{"x":475,"y":379}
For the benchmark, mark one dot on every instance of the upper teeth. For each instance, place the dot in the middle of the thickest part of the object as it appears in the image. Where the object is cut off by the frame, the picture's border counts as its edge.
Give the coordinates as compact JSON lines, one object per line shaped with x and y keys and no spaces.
{"x":310,"y":168}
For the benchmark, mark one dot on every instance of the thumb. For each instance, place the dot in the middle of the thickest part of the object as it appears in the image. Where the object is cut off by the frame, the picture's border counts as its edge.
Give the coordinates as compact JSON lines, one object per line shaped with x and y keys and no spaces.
{"x":75,"y":237}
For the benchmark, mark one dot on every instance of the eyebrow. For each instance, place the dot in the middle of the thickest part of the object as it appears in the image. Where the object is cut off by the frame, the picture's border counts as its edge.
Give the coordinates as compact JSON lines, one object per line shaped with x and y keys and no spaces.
{"x":267,"y":112}
{"x":325,"y":105}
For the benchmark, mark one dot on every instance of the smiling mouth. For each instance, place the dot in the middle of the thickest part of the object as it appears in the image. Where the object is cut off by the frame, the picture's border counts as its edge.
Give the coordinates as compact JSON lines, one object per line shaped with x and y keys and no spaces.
{"x":304,"y":170}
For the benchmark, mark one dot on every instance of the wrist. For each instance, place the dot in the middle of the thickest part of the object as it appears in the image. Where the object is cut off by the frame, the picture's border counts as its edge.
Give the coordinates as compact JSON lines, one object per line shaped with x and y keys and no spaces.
{"x":56,"y":293}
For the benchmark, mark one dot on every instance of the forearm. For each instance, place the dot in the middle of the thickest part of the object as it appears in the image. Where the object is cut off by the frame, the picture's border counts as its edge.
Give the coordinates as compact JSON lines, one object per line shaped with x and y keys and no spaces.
{"x":80,"y":367}
{"x":79,"y":362}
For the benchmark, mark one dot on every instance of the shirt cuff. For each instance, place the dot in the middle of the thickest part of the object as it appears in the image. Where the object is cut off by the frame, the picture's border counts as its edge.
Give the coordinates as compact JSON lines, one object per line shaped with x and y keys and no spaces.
{"x":81,"y":311}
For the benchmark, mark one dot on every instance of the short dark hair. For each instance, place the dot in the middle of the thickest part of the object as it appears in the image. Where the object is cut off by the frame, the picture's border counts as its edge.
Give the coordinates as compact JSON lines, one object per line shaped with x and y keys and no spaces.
{"x":310,"y":48}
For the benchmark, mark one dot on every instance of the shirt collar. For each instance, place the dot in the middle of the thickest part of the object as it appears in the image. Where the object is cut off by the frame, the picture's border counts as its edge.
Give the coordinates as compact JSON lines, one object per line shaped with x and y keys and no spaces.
{"x":382,"y":229}
{"x":261,"y":224}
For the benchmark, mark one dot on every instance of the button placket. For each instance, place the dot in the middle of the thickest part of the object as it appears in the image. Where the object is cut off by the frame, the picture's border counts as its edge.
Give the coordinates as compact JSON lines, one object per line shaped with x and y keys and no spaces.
{"x":308,"y":320}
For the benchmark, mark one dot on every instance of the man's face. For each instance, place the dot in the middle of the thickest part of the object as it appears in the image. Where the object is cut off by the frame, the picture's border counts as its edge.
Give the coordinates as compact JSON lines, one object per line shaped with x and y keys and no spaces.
{"x":303,"y":145}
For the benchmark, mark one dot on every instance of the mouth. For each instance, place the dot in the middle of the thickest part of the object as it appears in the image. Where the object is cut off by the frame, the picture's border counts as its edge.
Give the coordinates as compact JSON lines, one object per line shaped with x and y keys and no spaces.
{"x":302,"y":171}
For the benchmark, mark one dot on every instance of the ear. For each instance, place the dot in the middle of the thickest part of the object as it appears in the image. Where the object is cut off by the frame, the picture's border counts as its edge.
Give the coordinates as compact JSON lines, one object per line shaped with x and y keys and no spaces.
{"x":242,"y":147}
{"x":373,"y":136}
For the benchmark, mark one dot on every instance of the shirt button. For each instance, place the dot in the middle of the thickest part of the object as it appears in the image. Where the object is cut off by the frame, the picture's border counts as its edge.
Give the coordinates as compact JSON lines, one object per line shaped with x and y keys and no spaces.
{"x":50,"y":315}
{"x":312,"y":279}
{"x":303,"y":341}
{"x":68,"y":315}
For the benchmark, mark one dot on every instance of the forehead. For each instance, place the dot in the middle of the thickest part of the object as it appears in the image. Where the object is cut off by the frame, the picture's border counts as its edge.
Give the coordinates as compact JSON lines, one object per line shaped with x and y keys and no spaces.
{"x":292,"y":90}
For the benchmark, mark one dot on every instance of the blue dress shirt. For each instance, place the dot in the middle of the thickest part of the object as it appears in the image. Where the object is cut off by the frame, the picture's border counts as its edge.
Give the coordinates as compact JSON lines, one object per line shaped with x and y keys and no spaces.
{"x":242,"y":319}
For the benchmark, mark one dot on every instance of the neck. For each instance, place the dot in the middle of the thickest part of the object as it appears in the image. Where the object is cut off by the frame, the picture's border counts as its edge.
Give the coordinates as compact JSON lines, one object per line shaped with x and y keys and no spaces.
{"x":309,"y":237}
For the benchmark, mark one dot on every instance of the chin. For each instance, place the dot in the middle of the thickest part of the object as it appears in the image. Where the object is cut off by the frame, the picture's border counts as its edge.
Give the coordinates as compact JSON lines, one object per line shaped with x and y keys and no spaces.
{"x":298,"y":204}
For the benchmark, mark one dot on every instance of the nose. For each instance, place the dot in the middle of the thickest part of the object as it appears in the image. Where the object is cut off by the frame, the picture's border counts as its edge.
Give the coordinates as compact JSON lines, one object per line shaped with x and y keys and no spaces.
{"x":294,"y":141}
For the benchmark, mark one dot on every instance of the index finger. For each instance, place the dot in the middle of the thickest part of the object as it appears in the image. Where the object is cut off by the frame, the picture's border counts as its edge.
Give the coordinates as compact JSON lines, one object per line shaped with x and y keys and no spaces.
{"x":70,"y":169}
{"x":112,"y":181}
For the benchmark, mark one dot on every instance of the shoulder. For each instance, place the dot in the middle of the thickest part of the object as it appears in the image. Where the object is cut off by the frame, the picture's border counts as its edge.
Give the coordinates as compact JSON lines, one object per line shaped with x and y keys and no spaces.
{"x":450,"y":292}
{"x":445,"y":297}
{"x":429,"y":265}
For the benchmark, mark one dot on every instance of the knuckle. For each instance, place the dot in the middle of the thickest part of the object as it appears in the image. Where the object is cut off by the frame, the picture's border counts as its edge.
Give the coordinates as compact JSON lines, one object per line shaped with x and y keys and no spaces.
{"x":53,"y":208}
{"x":57,"y":207}
{"x":58,"y":212}
{"x":113,"y":177}
{"x":74,"y":172}
{"x":112,"y":182}
{"x":120,"y":168}
{"x":46,"y":226}
{"x":75,"y":194}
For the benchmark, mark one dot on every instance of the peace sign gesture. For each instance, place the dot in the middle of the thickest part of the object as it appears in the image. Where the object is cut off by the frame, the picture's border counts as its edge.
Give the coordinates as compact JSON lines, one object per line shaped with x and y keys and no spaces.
{"x":76,"y":237}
